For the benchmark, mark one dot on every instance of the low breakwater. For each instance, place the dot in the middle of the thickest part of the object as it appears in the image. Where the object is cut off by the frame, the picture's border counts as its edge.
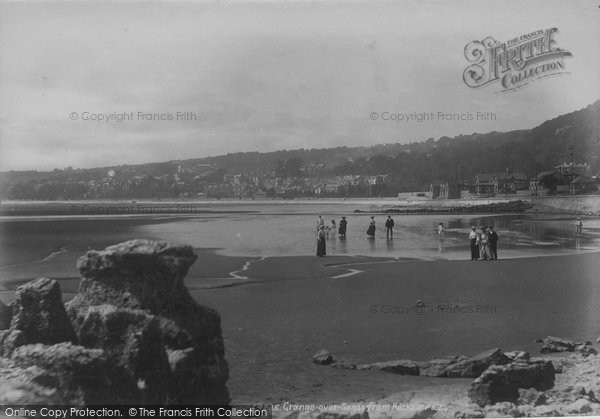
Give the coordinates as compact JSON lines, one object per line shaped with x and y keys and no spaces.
{"x":571,"y":204}
{"x":455,"y":208}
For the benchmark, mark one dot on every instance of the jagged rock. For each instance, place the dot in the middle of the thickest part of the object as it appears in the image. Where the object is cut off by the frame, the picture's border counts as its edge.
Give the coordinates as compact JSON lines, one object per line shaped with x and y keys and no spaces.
{"x":5,"y":316}
{"x":586,"y":351}
{"x":133,"y":340}
{"x":147,"y":275}
{"x":435,"y":367}
{"x":580,"y":406}
{"x":323,"y":357}
{"x":38,"y":312}
{"x":546,"y":411}
{"x":531,"y":396}
{"x":502,"y":409}
{"x":502,"y":382}
{"x":470,"y":413}
{"x":401,"y":366}
{"x":136,"y":274}
{"x":554,"y":344}
{"x":473,"y":367}
{"x":11,"y":339}
{"x":84,"y":376}
{"x":517,"y":355}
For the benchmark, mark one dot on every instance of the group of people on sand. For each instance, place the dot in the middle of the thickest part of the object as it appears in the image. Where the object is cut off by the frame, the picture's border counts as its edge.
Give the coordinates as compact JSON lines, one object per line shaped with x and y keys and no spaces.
{"x":325,"y":231}
{"x":484,"y":243}
{"x":389,"y":227}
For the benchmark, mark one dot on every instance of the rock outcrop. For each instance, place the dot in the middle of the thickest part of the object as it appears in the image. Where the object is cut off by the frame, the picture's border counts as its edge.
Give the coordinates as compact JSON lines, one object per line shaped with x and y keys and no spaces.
{"x":456,"y":367}
{"x":132,"y":334}
{"x":552,"y":344}
{"x":323,"y":357}
{"x":39,"y":314}
{"x":501,"y":383}
{"x":401,"y":366}
{"x":474,"y":366}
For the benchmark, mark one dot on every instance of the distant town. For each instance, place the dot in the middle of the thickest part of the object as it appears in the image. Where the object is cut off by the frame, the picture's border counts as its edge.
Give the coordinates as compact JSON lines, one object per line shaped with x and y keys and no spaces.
{"x":199,"y":181}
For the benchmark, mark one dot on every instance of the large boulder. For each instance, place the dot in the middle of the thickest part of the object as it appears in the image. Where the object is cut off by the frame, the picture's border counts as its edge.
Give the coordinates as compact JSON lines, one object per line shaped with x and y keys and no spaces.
{"x":133,"y":340}
{"x":148,"y":276}
{"x":473,"y":367}
{"x":501,"y":383}
{"x":323,"y":357}
{"x":39,"y":314}
{"x":81,"y":376}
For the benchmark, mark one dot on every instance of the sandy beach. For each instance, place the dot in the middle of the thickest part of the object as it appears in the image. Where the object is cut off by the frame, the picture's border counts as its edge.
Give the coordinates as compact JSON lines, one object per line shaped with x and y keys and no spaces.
{"x":278,"y":311}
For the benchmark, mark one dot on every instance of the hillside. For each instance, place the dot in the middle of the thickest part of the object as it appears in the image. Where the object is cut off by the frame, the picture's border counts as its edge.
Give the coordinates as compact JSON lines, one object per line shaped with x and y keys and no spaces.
{"x":574,"y":136}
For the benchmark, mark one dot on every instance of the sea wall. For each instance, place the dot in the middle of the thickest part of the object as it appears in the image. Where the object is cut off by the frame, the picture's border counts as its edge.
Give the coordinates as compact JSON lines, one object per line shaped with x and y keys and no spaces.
{"x":570,"y":204}
{"x":132,"y":334}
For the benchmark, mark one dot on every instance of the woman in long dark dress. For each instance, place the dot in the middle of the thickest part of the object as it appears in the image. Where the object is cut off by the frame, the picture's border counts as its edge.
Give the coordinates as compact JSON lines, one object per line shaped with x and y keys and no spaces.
{"x":321,"y":241}
{"x":371,"y":229}
{"x":343,"y":225}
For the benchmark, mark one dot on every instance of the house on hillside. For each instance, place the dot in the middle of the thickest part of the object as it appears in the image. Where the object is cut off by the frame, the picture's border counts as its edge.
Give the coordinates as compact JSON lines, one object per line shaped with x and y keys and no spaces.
{"x":583,"y":184}
{"x":536,"y":187}
{"x":436,"y":187}
{"x":510,"y":183}
{"x":570,"y":171}
{"x":485,"y":184}
{"x":501,"y":183}
{"x":442,"y":189}
{"x":569,"y":178}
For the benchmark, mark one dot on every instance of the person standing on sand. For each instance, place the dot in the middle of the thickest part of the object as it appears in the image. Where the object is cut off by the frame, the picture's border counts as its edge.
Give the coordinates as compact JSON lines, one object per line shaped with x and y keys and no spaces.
{"x":389,"y":227}
{"x":333,"y":229}
{"x":343,"y":226}
{"x":321,"y":243}
{"x":579,"y":225}
{"x":473,"y":241}
{"x":371,"y":229}
{"x":493,"y":239}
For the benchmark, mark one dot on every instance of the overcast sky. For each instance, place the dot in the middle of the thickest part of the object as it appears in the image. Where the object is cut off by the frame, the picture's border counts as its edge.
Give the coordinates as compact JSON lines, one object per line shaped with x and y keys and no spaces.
{"x":264,"y":76}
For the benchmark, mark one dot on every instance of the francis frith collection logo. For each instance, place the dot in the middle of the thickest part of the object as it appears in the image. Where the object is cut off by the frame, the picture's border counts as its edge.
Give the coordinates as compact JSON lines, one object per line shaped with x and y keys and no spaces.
{"x":516,"y":62}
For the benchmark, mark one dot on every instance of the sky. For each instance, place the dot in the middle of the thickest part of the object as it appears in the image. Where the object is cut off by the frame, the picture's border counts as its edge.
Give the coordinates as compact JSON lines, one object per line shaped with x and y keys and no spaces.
{"x":265,"y":75}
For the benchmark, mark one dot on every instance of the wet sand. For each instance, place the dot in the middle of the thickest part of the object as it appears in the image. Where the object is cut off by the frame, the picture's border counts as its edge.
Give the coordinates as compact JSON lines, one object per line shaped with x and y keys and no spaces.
{"x":273,"y":328}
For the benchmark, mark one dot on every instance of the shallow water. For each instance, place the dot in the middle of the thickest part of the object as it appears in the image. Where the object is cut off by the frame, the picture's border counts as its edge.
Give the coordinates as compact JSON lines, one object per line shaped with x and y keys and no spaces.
{"x":288,"y":229}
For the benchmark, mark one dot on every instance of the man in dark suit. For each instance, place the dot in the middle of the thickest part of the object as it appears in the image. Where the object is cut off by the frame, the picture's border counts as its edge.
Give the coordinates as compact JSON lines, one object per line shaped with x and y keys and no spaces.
{"x":389,"y":227}
{"x":493,"y":239}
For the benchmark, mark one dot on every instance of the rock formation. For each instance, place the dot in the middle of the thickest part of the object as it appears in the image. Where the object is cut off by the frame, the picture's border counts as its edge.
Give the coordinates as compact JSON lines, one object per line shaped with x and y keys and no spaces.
{"x":132,"y":334}
{"x":501,"y":383}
